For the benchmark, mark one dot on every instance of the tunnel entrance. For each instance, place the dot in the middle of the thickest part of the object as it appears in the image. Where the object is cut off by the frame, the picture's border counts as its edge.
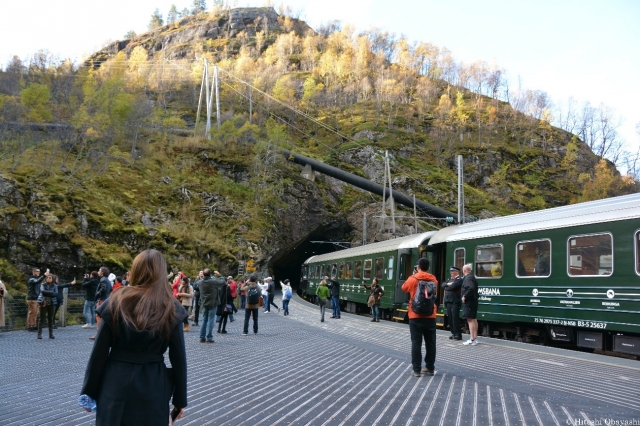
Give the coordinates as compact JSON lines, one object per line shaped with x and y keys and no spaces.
{"x":288,"y":263}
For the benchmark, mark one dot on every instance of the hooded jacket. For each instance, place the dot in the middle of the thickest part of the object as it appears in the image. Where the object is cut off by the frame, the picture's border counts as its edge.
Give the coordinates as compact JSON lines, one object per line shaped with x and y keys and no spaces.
{"x":411,"y":285}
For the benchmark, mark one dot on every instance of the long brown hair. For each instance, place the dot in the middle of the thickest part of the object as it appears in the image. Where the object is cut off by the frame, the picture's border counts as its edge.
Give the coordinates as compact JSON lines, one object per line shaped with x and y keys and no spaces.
{"x":148,"y":303}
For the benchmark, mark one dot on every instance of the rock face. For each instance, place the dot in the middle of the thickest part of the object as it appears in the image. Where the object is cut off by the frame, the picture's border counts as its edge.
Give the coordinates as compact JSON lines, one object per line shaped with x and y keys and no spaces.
{"x":182,"y":39}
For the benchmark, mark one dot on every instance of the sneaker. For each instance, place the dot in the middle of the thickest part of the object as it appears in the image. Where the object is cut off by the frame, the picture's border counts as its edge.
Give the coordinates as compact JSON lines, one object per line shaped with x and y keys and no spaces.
{"x":244,"y":333}
{"x":427,"y":372}
{"x":373,"y":320}
{"x":87,"y":325}
{"x":202,"y":341}
{"x":210,"y":341}
{"x":470,"y":342}
{"x":415,"y":373}
{"x":474,"y":342}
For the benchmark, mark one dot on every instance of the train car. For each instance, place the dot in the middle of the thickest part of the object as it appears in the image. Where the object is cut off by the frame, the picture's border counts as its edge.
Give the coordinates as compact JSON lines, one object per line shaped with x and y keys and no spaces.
{"x":569,"y":274}
{"x":391,"y":262}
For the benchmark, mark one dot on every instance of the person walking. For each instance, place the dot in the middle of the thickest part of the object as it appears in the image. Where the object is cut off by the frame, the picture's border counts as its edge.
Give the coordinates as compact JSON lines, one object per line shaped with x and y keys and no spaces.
{"x":287,"y":295}
{"x":374,"y":298}
{"x":453,"y":301}
{"x":185,"y":296}
{"x":469,"y":292}
{"x":253,"y":304}
{"x":323,"y":294}
{"x":265,"y":295}
{"x":421,"y":327}
{"x":126,"y":374}
{"x":209,"y":299}
{"x":271,"y":292}
{"x":33,"y":289}
{"x":47,"y":299}
{"x":90,"y":286}
{"x":334,"y":286}
{"x":233,"y":287}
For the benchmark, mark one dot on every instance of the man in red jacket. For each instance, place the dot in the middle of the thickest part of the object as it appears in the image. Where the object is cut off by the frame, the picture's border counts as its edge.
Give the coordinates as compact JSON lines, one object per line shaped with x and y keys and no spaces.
{"x":420,"y":326}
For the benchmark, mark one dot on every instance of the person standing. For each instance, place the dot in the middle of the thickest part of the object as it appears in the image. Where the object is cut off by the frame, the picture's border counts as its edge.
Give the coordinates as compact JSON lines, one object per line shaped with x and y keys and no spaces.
{"x":334,"y":286}
{"x":102,"y":292}
{"x":265,"y":295}
{"x":90,"y":286}
{"x":33,"y":290}
{"x":375,"y":296}
{"x":323,"y":294}
{"x":271,"y":292}
{"x":243,"y":295}
{"x":453,"y":301}
{"x":233,"y":287}
{"x":126,"y":374}
{"x":287,"y":294}
{"x":421,"y":327}
{"x":469,"y":291}
{"x":47,"y":299}
{"x":253,"y":304}
{"x":541,"y":267}
{"x":196,"y":292}
{"x":225,"y":300}
{"x":3,"y":294}
{"x":209,"y":299}
{"x":185,"y":296}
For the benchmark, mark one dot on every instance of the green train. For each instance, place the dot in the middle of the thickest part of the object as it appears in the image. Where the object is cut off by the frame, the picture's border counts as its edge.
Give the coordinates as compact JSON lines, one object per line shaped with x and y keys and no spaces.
{"x":569,"y":274}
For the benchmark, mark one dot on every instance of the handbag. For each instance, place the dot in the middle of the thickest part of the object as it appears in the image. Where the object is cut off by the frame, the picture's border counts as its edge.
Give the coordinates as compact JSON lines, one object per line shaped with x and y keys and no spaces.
{"x":228,"y":307}
{"x":260,"y":301}
{"x":372,"y":300}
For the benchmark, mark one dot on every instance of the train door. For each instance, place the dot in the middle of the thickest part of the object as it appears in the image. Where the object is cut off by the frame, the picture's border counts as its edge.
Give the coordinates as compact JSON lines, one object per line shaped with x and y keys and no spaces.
{"x":405,"y":267}
{"x":436,"y":260}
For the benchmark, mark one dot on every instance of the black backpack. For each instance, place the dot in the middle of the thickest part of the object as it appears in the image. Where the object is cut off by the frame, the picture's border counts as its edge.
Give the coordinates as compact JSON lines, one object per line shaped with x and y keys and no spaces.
{"x":424,"y":299}
{"x":253,"y":295}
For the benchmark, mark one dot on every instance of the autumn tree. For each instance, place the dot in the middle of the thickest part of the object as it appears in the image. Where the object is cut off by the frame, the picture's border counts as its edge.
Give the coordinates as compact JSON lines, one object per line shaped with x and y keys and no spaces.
{"x":156,"y":20}
{"x":35,"y":99}
{"x":172,"y":15}
{"x":606,"y":182}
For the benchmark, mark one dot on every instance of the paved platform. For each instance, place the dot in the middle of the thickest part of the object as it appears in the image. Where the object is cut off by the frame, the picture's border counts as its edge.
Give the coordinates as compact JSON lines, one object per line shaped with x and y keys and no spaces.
{"x":299,"y":371}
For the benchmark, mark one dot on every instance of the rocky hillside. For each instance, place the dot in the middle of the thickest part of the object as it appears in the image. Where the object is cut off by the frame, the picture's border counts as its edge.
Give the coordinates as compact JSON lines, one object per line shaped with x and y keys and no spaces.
{"x":117,"y":164}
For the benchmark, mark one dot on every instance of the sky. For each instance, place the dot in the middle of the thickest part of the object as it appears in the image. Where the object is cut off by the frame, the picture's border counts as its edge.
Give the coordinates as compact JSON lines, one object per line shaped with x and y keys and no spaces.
{"x":588,"y":50}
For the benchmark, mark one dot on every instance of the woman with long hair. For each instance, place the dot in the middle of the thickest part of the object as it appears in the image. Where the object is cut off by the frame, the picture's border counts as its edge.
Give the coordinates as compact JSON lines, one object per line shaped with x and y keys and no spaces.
{"x":47,"y":300}
{"x":126,"y":374}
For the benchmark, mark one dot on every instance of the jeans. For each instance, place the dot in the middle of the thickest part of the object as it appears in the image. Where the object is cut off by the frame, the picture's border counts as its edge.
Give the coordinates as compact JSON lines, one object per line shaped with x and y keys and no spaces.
{"x":243,"y":302}
{"x":208,"y":321}
{"x":90,"y":311}
{"x":267,"y":306}
{"x":423,"y":329}
{"x":197,"y":314}
{"x":323,"y":307}
{"x":285,"y":306}
{"x":247,"y":315}
{"x":336,"y":306}
{"x":375,"y":311}
{"x":453,"y":315}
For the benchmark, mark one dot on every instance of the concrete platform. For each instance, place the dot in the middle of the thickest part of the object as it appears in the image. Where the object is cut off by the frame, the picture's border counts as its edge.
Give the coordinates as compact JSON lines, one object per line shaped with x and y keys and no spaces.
{"x":299,"y":371}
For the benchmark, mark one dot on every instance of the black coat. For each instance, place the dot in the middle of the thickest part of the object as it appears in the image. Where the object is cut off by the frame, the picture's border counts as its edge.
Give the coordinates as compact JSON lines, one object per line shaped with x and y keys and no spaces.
{"x":33,"y":286}
{"x":90,"y":285}
{"x":452,"y":292}
{"x":470,"y":287}
{"x":127,"y":377}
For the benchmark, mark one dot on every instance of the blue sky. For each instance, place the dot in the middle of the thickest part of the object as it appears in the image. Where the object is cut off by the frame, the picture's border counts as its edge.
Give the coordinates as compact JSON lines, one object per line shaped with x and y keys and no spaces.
{"x":584,"y":49}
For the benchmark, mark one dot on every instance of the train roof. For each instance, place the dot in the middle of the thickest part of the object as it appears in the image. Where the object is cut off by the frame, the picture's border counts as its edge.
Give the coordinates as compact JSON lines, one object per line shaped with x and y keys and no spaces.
{"x":383,"y":246}
{"x":607,"y":210}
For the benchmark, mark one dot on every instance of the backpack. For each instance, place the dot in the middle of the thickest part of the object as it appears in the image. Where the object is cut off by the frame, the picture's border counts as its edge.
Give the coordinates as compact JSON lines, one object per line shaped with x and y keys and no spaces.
{"x":287,"y":293}
{"x":253,"y":295}
{"x":424,"y":299}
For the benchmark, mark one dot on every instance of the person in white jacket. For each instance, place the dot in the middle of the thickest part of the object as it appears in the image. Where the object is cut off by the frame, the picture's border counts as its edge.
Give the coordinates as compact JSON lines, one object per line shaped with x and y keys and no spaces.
{"x":265,"y":294}
{"x":287,"y":294}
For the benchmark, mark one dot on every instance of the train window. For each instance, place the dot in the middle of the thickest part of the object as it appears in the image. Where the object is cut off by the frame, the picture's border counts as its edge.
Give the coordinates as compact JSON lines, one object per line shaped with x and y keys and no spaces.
{"x":312,"y":271}
{"x":390,"y":268}
{"x":489,"y":261}
{"x":458,"y":258}
{"x":357,"y":273}
{"x":367,"y":269}
{"x":349,"y":271}
{"x":380,"y":268}
{"x":590,"y":255}
{"x":637,"y":250}
{"x":323,"y":271}
{"x":334,"y":271}
{"x":341,"y":271}
{"x":533,"y":258}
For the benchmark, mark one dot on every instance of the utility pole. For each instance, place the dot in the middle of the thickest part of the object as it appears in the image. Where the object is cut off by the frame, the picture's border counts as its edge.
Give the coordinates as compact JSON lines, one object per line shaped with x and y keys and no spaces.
{"x":364,"y":228}
{"x":415,"y":214}
{"x":250,"y":103}
{"x":460,"y":191}
{"x":217,"y":96}
{"x":200,"y":98}
{"x":208,"y":95}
